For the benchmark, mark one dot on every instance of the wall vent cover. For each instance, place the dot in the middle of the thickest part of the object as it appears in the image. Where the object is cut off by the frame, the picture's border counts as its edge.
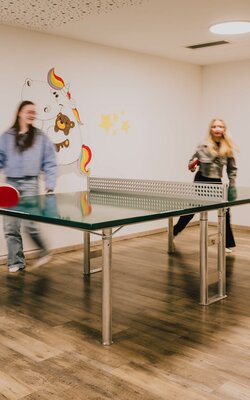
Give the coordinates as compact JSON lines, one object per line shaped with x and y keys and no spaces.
{"x":199,"y":46}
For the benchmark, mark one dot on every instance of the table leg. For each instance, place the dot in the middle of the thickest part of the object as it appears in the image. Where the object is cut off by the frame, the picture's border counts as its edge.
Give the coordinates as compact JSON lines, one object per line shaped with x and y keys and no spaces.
{"x":106,"y":287}
{"x":86,"y":257}
{"x":221,"y":260}
{"x":203,"y":258}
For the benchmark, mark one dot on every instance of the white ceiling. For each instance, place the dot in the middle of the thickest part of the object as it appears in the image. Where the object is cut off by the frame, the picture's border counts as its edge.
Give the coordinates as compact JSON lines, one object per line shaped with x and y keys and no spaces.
{"x":159,"y":27}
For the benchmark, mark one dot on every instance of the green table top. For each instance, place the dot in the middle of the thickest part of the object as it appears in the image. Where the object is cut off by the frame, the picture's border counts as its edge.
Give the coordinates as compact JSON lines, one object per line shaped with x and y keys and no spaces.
{"x":96,"y":210}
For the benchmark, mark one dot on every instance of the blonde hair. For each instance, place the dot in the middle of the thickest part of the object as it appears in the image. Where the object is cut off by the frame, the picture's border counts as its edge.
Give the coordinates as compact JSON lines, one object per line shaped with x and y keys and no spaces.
{"x":226,"y":147}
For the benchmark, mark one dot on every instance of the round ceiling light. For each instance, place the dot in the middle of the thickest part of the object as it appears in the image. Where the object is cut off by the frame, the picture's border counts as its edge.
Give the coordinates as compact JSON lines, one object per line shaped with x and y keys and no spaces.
{"x":230,"y":27}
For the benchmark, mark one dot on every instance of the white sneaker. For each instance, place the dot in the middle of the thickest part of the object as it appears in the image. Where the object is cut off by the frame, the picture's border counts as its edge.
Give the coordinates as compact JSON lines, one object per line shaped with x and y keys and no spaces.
{"x":41,"y":261}
{"x":14,"y":268}
{"x":228,"y":250}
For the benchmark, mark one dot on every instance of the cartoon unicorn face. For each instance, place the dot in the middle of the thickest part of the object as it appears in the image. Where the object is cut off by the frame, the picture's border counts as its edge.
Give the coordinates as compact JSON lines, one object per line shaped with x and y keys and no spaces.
{"x":47,"y":100}
{"x":53,"y":100}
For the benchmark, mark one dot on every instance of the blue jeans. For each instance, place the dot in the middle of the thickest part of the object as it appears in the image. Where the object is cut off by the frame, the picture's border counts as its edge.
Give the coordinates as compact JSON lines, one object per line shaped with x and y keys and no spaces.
{"x":12,"y":226}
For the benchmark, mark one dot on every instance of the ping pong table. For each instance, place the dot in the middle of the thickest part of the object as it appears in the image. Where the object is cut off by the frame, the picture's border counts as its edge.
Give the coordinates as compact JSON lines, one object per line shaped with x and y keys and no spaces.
{"x":110,"y":203}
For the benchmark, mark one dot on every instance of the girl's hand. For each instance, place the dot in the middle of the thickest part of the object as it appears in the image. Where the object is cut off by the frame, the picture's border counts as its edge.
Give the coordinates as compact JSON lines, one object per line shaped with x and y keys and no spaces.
{"x":193,"y":164}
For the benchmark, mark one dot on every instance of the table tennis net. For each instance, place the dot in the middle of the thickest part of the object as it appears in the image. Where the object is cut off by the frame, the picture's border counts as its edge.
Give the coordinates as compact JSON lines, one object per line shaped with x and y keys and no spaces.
{"x":178,"y":190}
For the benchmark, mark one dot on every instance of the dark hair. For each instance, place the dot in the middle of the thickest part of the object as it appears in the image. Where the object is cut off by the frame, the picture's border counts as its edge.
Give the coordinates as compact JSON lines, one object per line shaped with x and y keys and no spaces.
{"x":29,"y":137}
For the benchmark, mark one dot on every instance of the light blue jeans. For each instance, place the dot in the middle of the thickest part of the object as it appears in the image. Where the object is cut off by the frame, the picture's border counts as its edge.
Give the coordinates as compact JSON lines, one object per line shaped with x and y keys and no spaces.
{"x":12,"y":226}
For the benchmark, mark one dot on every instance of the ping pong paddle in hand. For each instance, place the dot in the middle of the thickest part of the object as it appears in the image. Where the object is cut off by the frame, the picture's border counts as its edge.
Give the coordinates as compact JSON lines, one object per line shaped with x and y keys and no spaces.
{"x":193,"y":164}
{"x":9,"y":196}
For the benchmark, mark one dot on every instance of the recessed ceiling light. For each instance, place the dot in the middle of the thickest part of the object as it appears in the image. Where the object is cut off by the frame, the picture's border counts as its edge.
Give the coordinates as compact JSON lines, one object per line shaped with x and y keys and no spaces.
{"x":231,"y":27}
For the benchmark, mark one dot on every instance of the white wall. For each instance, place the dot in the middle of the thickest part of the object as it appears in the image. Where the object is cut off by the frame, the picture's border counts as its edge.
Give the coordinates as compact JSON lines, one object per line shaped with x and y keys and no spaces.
{"x":161,"y":100}
{"x":226,"y":94}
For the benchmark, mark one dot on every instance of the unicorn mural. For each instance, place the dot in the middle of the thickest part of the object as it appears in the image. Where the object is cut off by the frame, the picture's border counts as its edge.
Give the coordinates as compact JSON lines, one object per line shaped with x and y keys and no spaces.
{"x":58,"y":116}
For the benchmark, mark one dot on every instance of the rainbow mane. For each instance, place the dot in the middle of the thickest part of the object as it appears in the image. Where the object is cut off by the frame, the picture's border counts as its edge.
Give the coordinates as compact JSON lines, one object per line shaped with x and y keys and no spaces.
{"x":55,"y":81}
{"x":85,"y":158}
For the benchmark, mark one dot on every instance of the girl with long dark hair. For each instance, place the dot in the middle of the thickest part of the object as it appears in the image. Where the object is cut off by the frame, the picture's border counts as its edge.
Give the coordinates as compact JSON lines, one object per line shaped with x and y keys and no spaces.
{"x":25,"y":153}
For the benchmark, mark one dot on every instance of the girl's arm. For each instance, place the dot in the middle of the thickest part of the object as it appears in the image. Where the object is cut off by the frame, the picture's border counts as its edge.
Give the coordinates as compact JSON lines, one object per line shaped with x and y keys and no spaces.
{"x":194,"y":161}
{"x":49,"y":165}
{"x":231,"y":171}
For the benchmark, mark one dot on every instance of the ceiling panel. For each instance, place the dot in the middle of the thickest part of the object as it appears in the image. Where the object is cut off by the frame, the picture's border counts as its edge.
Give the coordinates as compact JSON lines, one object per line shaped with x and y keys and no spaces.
{"x":164,"y":28}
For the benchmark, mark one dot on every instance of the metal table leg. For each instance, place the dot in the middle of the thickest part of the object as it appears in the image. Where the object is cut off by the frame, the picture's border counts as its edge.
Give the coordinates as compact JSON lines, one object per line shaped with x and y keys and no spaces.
{"x":203,"y":258}
{"x":86,"y":257}
{"x":221,"y":258}
{"x":106,"y":287}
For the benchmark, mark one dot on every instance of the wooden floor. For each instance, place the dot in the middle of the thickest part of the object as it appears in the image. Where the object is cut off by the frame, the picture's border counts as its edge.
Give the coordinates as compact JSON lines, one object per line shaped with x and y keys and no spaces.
{"x":166,"y":346}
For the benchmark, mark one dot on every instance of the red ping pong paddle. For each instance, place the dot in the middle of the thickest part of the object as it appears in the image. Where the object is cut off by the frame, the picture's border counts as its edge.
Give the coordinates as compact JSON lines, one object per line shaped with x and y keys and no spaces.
{"x":193,"y":164}
{"x":9,"y":196}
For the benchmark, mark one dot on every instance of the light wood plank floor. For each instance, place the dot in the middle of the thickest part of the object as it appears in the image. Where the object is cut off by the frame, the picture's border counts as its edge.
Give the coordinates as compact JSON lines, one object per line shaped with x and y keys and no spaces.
{"x":166,"y":346}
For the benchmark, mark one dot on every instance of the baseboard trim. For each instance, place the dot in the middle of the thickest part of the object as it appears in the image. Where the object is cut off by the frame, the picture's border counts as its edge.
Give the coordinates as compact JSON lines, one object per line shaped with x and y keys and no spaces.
{"x":241,"y":228}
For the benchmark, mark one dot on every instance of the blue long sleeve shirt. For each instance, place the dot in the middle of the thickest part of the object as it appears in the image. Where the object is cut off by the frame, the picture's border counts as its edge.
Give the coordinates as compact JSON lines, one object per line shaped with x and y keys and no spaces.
{"x":40,"y":157}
